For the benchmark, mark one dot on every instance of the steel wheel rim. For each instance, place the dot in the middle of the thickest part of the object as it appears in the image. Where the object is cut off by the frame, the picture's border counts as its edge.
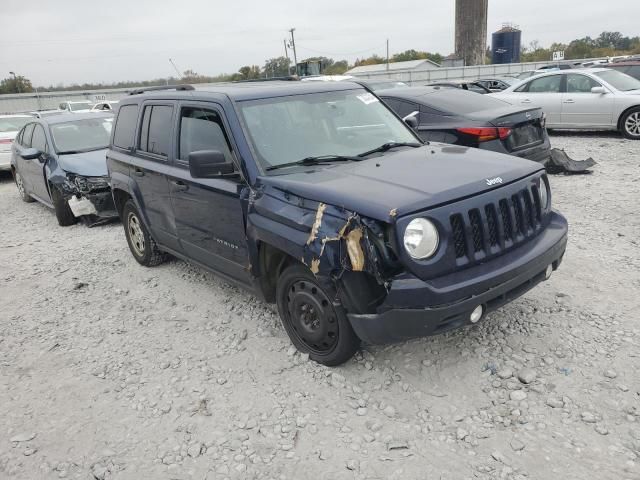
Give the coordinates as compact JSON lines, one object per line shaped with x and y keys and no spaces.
{"x":136,"y":234}
{"x":632,"y":124}
{"x":19,"y":184}
{"x":311,"y":316}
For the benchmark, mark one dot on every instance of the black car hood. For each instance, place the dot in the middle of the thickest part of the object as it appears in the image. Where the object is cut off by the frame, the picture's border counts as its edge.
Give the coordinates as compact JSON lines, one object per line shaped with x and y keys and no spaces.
{"x":88,"y":164}
{"x":407,"y":180}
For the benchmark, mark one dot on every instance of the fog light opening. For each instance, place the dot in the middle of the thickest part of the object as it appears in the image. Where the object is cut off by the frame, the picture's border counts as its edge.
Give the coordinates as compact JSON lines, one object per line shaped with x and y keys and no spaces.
{"x":548,"y":272}
{"x":477,"y":313}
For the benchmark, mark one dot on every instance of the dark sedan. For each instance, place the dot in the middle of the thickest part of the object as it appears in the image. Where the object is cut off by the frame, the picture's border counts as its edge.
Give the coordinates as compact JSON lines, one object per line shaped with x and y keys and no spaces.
{"x":630,"y":67}
{"x":60,"y":161}
{"x":452,"y":115}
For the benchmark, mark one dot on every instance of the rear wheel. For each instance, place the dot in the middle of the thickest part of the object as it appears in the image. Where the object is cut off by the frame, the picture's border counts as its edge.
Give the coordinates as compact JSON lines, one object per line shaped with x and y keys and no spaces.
{"x":314,"y":324}
{"x":631,"y":124}
{"x":142,"y":246}
{"x":21,"y":188}
{"x":63,"y":212}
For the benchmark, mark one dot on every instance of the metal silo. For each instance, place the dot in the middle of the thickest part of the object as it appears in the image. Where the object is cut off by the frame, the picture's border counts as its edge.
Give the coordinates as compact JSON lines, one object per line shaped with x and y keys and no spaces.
{"x":506,"y":44}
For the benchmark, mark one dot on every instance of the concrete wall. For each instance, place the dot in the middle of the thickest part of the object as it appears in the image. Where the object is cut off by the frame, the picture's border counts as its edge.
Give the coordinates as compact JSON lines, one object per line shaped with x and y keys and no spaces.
{"x":471,"y":30}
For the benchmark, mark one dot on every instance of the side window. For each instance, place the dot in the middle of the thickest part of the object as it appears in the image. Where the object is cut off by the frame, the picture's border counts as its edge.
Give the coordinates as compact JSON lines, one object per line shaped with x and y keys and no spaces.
{"x":39,"y":140}
{"x":125,"y":127}
{"x":634,"y":71}
{"x":26,"y":136}
{"x":549,"y":84}
{"x":202,"y":129}
{"x":156,"y":132}
{"x":402,"y":107}
{"x":580,"y":83}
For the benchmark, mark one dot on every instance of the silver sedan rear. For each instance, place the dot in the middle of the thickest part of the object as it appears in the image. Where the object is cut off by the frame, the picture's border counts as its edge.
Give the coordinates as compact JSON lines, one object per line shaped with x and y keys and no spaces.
{"x":10,"y":125}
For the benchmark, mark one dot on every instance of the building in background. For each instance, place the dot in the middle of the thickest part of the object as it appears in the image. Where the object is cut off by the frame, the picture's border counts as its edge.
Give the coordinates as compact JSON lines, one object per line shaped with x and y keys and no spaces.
{"x":394,"y":67}
{"x":471,"y":30}
{"x":506,"y":44}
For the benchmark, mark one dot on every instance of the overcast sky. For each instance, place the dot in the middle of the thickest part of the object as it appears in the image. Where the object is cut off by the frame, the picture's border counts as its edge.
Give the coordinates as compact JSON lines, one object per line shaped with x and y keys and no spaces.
{"x":69,"y":41}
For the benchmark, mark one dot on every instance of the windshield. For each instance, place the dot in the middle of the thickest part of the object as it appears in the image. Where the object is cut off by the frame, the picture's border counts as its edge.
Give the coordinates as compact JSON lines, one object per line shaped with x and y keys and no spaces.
{"x":288,"y":129}
{"x":79,"y":106}
{"x":619,"y":81}
{"x":81,"y":135}
{"x":13,"y":124}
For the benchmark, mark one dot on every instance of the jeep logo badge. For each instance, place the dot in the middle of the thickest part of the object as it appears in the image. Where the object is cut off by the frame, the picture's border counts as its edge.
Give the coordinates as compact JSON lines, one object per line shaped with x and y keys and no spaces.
{"x":494,"y":181}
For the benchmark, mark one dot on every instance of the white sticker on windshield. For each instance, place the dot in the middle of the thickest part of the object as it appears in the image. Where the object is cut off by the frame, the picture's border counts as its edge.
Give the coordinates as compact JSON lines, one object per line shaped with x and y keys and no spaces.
{"x":367,"y":98}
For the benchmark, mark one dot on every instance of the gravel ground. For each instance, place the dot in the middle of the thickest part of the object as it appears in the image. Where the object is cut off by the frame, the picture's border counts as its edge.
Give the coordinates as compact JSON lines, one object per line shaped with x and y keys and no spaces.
{"x":109,"y":370}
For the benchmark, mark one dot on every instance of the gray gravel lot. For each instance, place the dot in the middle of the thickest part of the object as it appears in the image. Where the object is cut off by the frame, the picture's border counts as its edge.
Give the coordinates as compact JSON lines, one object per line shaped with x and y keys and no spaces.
{"x":109,"y":370}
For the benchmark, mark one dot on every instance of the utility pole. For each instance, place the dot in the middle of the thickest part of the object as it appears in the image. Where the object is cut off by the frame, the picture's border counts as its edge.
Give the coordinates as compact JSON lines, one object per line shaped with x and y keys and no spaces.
{"x":293,"y":45}
{"x":387,"y":54}
{"x":176,"y":69}
{"x":15,"y":81}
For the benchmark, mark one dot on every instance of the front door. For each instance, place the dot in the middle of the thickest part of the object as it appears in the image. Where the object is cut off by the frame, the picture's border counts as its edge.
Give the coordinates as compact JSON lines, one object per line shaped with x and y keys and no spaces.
{"x":208,"y":212}
{"x":545,"y":93}
{"x":581,"y":108}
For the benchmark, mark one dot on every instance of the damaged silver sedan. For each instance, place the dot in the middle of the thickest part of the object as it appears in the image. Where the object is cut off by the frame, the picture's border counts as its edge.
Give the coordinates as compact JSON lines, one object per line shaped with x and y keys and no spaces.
{"x":60,"y":162}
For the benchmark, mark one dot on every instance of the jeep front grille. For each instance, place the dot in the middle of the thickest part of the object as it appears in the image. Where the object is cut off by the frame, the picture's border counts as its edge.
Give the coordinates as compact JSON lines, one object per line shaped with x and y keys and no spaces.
{"x":500,"y":225}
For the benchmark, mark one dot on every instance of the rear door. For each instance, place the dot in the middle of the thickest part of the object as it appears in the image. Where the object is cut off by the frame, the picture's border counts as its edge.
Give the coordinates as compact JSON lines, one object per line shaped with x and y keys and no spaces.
{"x":31,"y":170}
{"x":583,"y":109}
{"x":544,"y":92}
{"x":35,"y":167}
{"x":208,"y":212}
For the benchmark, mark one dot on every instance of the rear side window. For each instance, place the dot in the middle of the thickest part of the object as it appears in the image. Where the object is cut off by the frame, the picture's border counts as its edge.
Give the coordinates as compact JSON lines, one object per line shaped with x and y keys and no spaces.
{"x":124,"y":130}
{"x":549,"y":84}
{"x":39,"y":140}
{"x":26,"y":135}
{"x":202,"y":130}
{"x":155,"y":135}
{"x":401,"y":107}
{"x":458,"y":101}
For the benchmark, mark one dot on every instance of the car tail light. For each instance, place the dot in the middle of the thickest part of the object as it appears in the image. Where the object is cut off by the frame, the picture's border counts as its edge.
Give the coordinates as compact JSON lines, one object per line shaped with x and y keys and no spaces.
{"x":485,"y":134}
{"x":5,"y":141}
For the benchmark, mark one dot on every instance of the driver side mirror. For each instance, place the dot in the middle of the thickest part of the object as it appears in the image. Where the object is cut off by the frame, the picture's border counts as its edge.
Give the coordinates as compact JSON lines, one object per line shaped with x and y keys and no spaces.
{"x":30,"y":153}
{"x":411,"y":119}
{"x":209,"y":164}
{"x":599,"y":90}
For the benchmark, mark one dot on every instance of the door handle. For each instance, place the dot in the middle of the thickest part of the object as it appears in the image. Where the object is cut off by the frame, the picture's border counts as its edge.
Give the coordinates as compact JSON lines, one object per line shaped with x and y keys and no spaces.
{"x":138,"y":172}
{"x":526,"y":101}
{"x":569,"y":101}
{"x":180,"y":186}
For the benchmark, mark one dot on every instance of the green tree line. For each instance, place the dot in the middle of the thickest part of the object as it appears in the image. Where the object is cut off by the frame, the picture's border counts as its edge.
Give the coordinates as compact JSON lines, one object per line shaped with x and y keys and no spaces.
{"x":607,"y":44}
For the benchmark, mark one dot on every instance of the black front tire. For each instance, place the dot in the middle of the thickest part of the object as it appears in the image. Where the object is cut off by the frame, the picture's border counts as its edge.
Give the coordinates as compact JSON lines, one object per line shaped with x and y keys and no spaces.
{"x":22,"y":190}
{"x":63,"y":212}
{"x":630,"y":124}
{"x":313,"y":322}
{"x":143,"y":247}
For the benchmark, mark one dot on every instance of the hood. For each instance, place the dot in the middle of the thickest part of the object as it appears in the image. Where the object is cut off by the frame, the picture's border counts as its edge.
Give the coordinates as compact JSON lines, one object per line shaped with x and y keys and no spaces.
{"x":407,"y":180}
{"x":88,"y":164}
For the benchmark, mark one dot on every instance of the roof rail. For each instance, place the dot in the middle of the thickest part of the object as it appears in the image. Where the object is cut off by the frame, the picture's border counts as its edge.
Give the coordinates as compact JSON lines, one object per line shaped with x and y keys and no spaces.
{"x":288,"y":78}
{"x":139,"y":91}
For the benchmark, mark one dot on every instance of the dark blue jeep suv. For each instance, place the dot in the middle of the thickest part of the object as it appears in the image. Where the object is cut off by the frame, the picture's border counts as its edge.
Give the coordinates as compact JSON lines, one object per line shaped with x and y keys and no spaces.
{"x":318,"y":198}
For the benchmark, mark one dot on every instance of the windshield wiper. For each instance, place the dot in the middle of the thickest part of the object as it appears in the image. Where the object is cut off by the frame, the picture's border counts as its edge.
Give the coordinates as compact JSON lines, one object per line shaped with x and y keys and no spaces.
{"x":320,"y":159}
{"x":389,"y":145}
{"x":85,"y":150}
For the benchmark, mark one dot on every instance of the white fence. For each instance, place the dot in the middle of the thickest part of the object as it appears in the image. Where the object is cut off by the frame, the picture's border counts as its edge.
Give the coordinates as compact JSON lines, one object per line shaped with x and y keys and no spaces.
{"x":424,"y":77}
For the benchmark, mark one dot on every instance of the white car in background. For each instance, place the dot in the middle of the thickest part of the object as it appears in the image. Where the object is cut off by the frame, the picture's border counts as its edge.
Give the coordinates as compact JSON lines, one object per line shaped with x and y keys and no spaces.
{"x":76,"y":107}
{"x":585,"y":99}
{"x":107,"y":106}
{"x":10,"y":125}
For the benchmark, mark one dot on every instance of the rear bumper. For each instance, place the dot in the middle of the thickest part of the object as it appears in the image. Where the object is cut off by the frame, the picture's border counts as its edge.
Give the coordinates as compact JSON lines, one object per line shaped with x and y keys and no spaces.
{"x":537,"y":153}
{"x":415,"y":308}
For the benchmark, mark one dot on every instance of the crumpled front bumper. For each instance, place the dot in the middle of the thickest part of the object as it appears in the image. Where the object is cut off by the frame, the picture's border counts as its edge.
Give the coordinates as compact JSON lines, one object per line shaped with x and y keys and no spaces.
{"x":99,"y":204}
{"x":416,"y":308}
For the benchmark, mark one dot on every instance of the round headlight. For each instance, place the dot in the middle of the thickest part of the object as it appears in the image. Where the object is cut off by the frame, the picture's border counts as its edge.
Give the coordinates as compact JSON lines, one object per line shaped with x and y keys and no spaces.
{"x":544,"y":196}
{"x":421,"y":238}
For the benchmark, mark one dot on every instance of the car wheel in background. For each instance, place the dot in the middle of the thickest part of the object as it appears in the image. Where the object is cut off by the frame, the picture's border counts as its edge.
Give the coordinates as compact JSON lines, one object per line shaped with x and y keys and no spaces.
{"x":630,"y":124}
{"x":314,"y":324}
{"x":63,"y":212}
{"x":21,"y":188}
{"x":142,"y":246}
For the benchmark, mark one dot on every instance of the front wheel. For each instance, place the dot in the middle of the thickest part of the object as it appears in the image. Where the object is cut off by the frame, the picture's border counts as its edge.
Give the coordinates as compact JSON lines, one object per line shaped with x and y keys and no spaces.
{"x":63,"y":212}
{"x":22,"y":191}
{"x":142,"y":246}
{"x":314,"y":324}
{"x":631,"y":124}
